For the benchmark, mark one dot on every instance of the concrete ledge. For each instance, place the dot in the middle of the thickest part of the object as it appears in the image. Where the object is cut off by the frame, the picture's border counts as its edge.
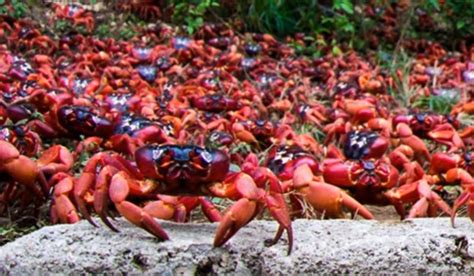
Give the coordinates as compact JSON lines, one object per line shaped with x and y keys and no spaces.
{"x":330,"y":246}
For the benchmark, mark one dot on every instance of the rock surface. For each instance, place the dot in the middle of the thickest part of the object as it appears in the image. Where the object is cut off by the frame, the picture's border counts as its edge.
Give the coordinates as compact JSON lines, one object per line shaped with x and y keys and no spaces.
{"x":330,"y":246}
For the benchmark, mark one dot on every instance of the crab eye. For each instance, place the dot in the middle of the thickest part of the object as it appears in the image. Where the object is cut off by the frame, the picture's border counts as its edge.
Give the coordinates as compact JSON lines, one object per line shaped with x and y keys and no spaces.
{"x":206,"y":157}
{"x":157,"y":154}
{"x":368,"y":166}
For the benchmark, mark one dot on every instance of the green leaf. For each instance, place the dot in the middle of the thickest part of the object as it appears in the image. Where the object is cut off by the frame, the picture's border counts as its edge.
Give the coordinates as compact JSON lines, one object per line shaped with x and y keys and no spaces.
{"x":434,"y":4}
{"x":180,"y":6}
{"x":460,"y":24}
{"x":336,"y":51}
{"x":2,"y":2}
{"x":190,"y":29}
{"x":346,"y":6}
{"x":198,"y":22}
{"x":348,"y":28}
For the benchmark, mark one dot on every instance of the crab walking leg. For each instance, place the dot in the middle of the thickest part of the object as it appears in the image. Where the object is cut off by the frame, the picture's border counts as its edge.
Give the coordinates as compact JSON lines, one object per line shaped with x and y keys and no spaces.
{"x":278,"y":209}
{"x":276,"y":204}
{"x":101,"y":191}
{"x":84,"y":184}
{"x":428,"y":199}
{"x":118,"y":192}
{"x":426,"y":202}
{"x":467,"y":197}
{"x":326,"y":197}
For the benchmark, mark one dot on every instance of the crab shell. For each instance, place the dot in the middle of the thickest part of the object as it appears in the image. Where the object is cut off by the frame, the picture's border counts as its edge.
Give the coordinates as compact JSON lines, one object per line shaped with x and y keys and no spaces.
{"x":80,"y":120}
{"x":182,"y":169}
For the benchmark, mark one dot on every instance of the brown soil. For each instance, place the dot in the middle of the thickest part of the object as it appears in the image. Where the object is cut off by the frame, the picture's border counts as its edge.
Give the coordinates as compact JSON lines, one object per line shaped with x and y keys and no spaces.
{"x":383,"y":212}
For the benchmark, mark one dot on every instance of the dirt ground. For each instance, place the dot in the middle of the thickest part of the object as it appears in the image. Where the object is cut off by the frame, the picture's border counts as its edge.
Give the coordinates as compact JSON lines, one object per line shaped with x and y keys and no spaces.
{"x":383,"y":213}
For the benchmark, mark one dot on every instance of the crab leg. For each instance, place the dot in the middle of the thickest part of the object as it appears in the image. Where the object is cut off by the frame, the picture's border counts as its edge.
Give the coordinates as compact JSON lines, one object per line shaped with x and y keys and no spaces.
{"x":277,"y":207}
{"x":101,"y":194}
{"x":420,"y":193}
{"x":466,"y":197}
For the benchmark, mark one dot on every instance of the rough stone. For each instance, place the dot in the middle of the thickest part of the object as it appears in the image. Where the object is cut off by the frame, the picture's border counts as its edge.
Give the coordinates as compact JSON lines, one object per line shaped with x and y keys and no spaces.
{"x":328,"y":246}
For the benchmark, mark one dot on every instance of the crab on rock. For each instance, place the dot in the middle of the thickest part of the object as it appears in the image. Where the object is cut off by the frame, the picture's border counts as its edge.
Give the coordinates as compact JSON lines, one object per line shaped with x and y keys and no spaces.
{"x":174,"y":170}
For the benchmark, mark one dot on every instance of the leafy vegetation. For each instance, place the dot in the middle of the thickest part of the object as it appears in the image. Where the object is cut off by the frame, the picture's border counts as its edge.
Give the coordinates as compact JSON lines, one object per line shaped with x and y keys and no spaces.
{"x":192,"y":13}
{"x":436,"y":103}
{"x":14,"y":8}
{"x":355,"y":24}
{"x":13,"y":230}
{"x":350,"y":22}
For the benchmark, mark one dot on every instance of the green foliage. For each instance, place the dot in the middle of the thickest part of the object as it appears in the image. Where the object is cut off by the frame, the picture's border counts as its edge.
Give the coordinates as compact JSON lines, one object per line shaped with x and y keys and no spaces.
{"x":192,"y":13}
{"x":62,"y":26}
{"x":285,"y":17}
{"x":339,"y":21}
{"x":123,"y":27}
{"x":16,"y":229}
{"x":126,"y":33}
{"x":14,"y":8}
{"x":438,"y":104}
{"x":103,"y":30}
{"x":461,"y":16}
{"x":451,"y":20}
{"x":273,"y":16}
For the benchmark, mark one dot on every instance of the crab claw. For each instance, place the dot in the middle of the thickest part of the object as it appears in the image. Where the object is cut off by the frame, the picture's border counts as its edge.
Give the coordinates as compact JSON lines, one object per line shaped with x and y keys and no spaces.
{"x":442,"y":162}
{"x":324,"y":197}
{"x":244,"y":135}
{"x":167,"y":208}
{"x":237,"y":216}
{"x":22,"y":169}
{"x":56,"y":159}
{"x":400,"y":156}
{"x":408,"y":138}
{"x":252,"y":200}
{"x":467,"y":132}
{"x":189,"y":203}
{"x":63,"y":209}
{"x":118,"y":192}
{"x":446,"y":134}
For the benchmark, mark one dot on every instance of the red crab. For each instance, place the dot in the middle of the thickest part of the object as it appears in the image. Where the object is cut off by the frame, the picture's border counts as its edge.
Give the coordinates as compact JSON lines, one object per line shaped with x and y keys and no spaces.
{"x":77,"y":14}
{"x":377,"y":181}
{"x":175,"y":170}
{"x":299,"y":170}
{"x":25,"y":179}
